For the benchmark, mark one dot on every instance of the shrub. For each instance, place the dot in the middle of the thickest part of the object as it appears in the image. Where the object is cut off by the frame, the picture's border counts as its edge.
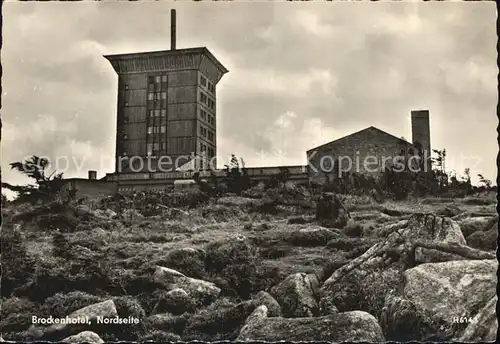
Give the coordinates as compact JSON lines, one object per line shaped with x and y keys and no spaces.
{"x":17,"y":265}
{"x":401,"y":321}
{"x":160,"y":336}
{"x":128,"y":306}
{"x":189,"y":262}
{"x":221,"y":213}
{"x":358,"y":291}
{"x":218,"y":321}
{"x":238,"y":262}
{"x":62,"y":304}
{"x":15,"y":314}
{"x":353,"y":230}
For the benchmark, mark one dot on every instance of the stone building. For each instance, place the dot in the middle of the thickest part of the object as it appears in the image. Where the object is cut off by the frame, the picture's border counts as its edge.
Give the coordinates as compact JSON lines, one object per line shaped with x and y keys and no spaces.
{"x":369,"y":151}
{"x":166,"y":106}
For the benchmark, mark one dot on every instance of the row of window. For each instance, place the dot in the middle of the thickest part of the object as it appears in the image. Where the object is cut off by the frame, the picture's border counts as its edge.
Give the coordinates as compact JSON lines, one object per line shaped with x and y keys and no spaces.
{"x":210,"y":152}
{"x":207,"y":133}
{"x":157,"y":79}
{"x":207,"y":117}
{"x":204,"y":82}
{"x":159,"y":129}
{"x":205,"y":100}
{"x":150,"y":147}
{"x":157,"y":95}
{"x":158,"y":113}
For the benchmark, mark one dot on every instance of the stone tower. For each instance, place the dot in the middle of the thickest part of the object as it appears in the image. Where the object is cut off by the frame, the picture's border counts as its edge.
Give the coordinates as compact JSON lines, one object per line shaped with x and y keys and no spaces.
{"x":421,"y":134}
{"x":166,"y":111}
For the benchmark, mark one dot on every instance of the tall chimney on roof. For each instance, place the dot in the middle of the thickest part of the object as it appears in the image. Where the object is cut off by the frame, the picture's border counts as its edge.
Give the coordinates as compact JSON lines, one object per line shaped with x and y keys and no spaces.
{"x":92,"y":175}
{"x":421,"y":134}
{"x":173,"y":32}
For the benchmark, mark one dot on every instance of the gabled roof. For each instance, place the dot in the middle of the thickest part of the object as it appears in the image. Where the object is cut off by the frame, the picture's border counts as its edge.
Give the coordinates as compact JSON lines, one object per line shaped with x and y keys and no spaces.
{"x":357,"y":133}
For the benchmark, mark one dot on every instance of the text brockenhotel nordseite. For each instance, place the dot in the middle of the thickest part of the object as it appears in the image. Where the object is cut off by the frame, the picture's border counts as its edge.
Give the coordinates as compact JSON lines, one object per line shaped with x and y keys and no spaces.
{"x":83,"y":320}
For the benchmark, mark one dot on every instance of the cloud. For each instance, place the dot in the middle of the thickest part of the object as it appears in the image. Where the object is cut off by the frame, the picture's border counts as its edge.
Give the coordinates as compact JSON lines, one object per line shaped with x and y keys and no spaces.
{"x":337,"y":68}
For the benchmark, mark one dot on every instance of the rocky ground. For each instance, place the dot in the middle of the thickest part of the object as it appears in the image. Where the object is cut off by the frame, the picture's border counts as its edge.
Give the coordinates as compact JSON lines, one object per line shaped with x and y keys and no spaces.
{"x":245,"y":268}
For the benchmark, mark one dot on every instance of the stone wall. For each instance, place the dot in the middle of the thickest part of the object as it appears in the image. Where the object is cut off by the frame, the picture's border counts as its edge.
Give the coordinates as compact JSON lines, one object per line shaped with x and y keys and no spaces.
{"x":365,"y":152}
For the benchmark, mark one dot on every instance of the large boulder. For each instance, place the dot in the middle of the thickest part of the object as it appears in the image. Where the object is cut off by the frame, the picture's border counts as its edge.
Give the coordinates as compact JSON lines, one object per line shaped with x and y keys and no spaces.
{"x":238,"y":201}
{"x":471,"y":225}
{"x":484,"y":240}
{"x":297,"y":295}
{"x":340,"y":327}
{"x":84,"y":337}
{"x":175,"y":301}
{"x":432,"y":228}
{"x":202,"y":292}
{"x":451,"y":289}
{"x":483,"y":327}
{"x":266,"y":299}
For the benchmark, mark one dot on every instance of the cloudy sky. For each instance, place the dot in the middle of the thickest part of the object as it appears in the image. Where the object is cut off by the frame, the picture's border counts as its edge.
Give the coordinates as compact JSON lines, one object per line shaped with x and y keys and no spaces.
{"x":300,"y":75}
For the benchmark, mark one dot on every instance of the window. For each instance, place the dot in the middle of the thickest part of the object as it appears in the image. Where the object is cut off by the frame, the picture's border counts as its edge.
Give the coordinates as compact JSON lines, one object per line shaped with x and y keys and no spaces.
{"x":162,"y":129}
{"x":156,"y":146}
{"x":157,"y":79}
{"x":151,"y":96}
{"x":211,"y":87}
{"x":157,"y":113}
{"x":125,"y":137}
{"x":150,"y":130}
{"x":210,"y":136}
{"x":126,"y":87}
{"x":203,"y":114}
{"x":149,"y":149}
{"x":164,"y":146}
{"x":203,"y":80}
{"x":163,"y":78}
{"x":164,"y":95}
{"x":163,"y":113}
{"x":203,"y":97}
{"x":151,"y":113}
{"x":151,"y":87}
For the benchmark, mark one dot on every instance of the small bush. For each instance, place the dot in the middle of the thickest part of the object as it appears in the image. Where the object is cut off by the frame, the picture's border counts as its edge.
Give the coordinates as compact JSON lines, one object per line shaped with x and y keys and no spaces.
{"x":366,"y":293}
{"x":62,"y":304}
{"x":160,"y":336}
{"x":189,"y":262}
{"x":17,"y":265}
{"x":237,"y":261}
{"x":401,"y":321}
{"x":16,"y":314}
{"x":222,"y":213}
{"x":128,"y":306}
{"x":353,"y":230}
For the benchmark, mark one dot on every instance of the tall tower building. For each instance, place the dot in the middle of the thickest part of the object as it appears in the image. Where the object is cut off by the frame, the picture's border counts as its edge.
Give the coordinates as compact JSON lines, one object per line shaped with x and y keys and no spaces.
{"x":166,"y":107}
{"x":421,"y":133}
